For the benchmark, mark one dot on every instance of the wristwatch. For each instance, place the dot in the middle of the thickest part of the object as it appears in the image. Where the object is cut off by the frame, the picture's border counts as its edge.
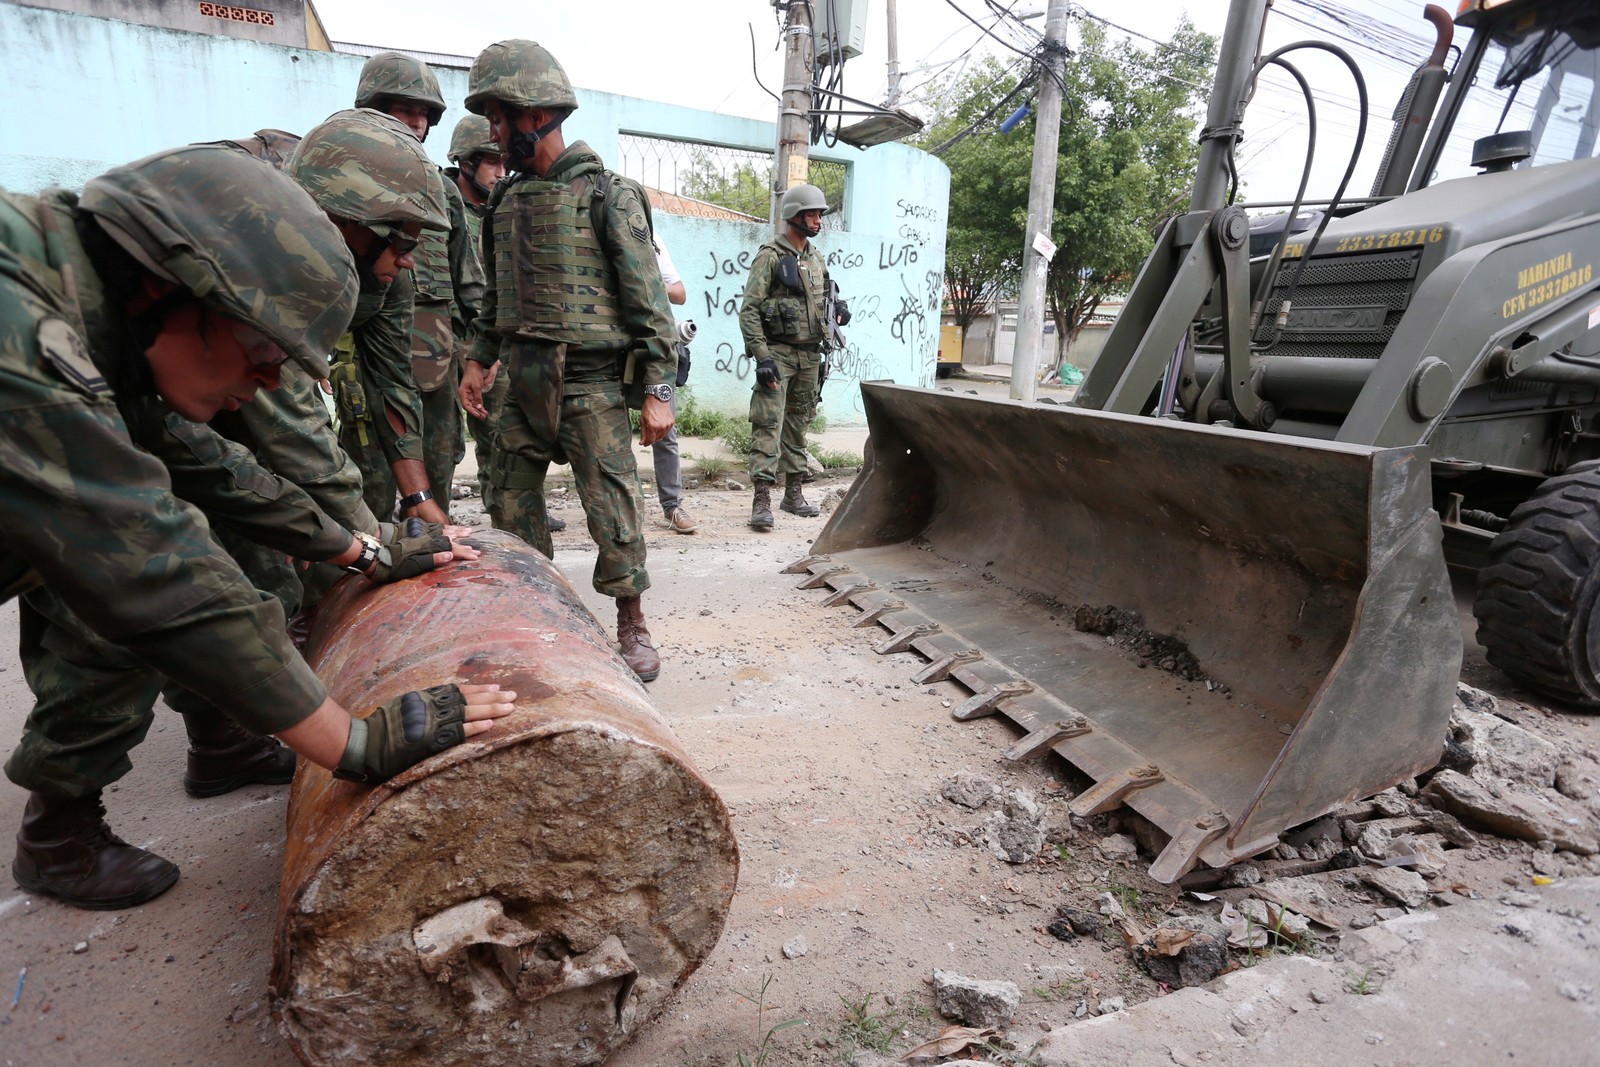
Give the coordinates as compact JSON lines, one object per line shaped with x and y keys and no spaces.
{"x":421,"y":496}
{"x":662,"y":392}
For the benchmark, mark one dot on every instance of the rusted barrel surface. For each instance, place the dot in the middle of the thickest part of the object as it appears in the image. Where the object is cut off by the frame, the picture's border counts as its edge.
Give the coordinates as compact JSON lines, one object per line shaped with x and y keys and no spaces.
{"x":534,"y":897}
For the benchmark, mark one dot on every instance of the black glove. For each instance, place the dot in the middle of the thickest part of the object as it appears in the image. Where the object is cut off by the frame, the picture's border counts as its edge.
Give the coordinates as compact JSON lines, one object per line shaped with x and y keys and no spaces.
{"x":408,"y":550}
{"x":402,"y":733}
{"x":766,"y":371}
{"x":841,"y":313}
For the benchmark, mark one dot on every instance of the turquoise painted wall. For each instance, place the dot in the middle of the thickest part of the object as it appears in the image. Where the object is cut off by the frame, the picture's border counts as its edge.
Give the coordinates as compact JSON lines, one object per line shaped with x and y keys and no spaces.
{"x":84,"y":94}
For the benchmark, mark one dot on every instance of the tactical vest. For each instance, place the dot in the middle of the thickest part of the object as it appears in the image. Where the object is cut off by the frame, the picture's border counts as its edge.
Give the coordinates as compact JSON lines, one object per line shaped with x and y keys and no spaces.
{"x":553,"y":280}
{"x":793,"y":316}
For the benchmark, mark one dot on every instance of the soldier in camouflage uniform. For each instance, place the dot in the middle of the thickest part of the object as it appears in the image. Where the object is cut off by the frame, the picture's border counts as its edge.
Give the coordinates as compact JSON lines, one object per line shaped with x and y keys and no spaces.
{"x":782,"y":320}
{"x":479,"y":165}
{"x":374,"y":388}
{"x":577,"y":311}
{"x":447,"y":277}
{"x":172,"y":288}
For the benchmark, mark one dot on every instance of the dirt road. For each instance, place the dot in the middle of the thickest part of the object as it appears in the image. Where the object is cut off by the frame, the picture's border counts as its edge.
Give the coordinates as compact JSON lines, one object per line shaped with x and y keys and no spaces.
{"x":859,"y":879}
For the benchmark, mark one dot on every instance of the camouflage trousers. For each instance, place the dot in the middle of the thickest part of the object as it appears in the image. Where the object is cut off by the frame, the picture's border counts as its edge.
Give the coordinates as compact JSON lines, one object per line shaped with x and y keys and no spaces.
{"x":778,"y":417}
{"x":93,"y":701}
{"x":444,"y":444}
{"x":483,"y":431}
{"x":587,"y":427}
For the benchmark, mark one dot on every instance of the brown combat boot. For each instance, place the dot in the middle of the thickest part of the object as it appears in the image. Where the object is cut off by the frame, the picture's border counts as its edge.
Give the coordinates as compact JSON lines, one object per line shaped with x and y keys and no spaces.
{"x":638,"y":651}
{"x":761,"y":507}
{"x":224,"y":756}
{"x":794,"y":498}
{"x":66,"y":850}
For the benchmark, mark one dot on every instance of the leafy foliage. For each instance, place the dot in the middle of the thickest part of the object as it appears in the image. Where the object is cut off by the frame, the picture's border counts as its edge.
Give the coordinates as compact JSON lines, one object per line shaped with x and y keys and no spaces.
{"x":1126,"y":162}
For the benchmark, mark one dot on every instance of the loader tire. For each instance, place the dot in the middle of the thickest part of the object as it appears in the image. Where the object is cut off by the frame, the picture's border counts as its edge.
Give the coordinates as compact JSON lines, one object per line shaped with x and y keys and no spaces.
{"x":1538,"y":602}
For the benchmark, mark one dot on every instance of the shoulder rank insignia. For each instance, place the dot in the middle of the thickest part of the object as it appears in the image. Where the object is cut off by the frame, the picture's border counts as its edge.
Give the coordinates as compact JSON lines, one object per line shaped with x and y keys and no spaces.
{"x":60,"y":344}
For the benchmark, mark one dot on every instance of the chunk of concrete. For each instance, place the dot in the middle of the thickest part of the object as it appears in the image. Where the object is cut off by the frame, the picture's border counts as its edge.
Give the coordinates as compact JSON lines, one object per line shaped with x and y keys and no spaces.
{"x":1502,"y":750}
{"x":973,"y":1002}
{"x":1512,"y":812}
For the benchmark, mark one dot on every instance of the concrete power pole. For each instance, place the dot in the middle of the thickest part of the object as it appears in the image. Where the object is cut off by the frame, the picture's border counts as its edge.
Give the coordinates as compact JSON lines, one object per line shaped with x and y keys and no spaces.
{"x":892,"y":43}
{"x":1041,"y":208}
{"x":791,"y":165}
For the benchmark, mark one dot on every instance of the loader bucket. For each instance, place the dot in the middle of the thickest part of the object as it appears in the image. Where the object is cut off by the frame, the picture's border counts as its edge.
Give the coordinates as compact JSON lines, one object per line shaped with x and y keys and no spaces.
{"x":1270,"y":627}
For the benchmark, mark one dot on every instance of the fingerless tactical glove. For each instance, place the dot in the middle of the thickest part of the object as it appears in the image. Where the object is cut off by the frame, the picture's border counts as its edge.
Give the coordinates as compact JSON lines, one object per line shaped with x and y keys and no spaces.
{"x":767,"y":371}
{"x":408,"y":550}
{"x":402,"y":733}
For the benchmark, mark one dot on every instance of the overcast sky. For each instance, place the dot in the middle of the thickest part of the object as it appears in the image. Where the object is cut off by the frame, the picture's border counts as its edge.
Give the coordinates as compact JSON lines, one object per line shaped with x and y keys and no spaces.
{"x":699,"y":55}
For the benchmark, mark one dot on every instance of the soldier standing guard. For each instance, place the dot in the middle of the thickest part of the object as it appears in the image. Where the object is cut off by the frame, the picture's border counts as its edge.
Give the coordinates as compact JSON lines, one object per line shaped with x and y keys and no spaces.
{"x":479,"y":166}
{"x":576,"y":313}
{"x":784,"y":323}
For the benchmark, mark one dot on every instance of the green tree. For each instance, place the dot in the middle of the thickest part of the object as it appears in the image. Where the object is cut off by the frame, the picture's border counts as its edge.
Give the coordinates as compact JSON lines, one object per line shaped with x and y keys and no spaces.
{"x":747,"y":186}
{"x":1126,"y":161}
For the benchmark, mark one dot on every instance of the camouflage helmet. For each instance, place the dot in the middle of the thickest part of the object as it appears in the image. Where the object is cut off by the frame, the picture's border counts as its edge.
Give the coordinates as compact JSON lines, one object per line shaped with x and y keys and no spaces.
{"x":366,"y":167}
{"x":395,"y":75}
{"x":798,"y":198}
{"x":240,"y":236}
{"x":471,"y":138}
{"x":521,"y":73}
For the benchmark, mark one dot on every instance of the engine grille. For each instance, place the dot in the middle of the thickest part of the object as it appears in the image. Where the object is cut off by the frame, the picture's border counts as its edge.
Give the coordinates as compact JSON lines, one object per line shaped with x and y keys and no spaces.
{"x":1347,"y":284}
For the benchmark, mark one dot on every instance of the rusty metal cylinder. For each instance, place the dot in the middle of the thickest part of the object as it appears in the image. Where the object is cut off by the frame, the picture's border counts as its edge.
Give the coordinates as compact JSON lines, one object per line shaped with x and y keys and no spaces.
{"x":534,"y":895}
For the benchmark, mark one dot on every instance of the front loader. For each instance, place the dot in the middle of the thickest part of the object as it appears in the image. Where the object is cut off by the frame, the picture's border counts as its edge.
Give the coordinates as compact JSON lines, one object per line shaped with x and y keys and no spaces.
{"x":1217,"y":584}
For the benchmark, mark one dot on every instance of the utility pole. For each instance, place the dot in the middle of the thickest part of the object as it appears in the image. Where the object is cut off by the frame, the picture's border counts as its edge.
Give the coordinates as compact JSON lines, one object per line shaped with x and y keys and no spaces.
{"x":791,"y":164}
{"x":892,"y":42}
{"x":1041,"y":207}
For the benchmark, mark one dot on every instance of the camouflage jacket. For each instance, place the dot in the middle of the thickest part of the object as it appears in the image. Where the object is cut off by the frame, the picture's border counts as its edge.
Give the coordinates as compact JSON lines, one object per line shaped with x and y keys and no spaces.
{"x":92,"y":516}
{"x":773,"y":312}
{"x":646,"y":316}
{"x":448,"y":280}
{"x":381,"y":332}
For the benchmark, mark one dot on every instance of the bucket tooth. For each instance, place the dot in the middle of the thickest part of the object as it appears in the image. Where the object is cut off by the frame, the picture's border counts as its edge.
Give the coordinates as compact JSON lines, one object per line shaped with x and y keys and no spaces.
{"x":821,"y":578}
{"x":888,"y":607}
{"x":988,"y":702}
{"x":801,"y":566}
{"x":1183,"y":851}
{"x":901,"y":640}
{"x":1047,"y":736}
{"x":849,"y":591}
{"x":940,"y":669}
{"x":1107,"y":794}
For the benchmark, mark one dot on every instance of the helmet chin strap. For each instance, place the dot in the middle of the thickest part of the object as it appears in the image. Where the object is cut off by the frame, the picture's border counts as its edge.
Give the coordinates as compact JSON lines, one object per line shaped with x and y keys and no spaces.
{"x":470,"y":172}
{"x":519,"y":152}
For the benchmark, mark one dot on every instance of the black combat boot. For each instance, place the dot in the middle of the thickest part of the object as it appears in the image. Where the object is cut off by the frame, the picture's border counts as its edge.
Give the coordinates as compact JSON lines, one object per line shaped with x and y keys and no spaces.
{"x":761,"y":507}
{"x":794,"y":498}
{"x":224,"y":756}
{"x":638,"y":651}
{"x":66,"y":850}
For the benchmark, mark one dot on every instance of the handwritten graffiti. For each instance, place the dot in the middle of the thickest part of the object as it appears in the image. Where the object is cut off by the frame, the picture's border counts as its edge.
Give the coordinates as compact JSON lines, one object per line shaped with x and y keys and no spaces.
{"x":866,"y":307}
{"x":910,"y":324}
{"x":914,"y":235}
{"x":935,"y":280}
{"x":718,"y":302}
{"x":850,"y":363}
{"x":842,"y":260}
{"x":739,"y":366}
{"x":896,"y":255}
{"x":729,"y":266}
{"x":917,"y":211}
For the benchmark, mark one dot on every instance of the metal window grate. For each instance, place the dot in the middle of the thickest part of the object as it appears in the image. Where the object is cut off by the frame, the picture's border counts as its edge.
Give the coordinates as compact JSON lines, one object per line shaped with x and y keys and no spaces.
{"x":716,"y":181}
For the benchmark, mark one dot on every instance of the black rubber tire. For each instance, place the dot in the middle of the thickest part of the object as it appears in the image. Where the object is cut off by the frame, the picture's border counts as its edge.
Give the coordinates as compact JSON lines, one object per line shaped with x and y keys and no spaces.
{"x":1538,"y":602}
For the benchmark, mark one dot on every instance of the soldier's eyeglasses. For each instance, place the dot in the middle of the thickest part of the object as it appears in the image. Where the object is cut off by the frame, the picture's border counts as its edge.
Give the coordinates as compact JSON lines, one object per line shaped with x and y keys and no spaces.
{"x":395,"y":238}
{"x":258,"y":348}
